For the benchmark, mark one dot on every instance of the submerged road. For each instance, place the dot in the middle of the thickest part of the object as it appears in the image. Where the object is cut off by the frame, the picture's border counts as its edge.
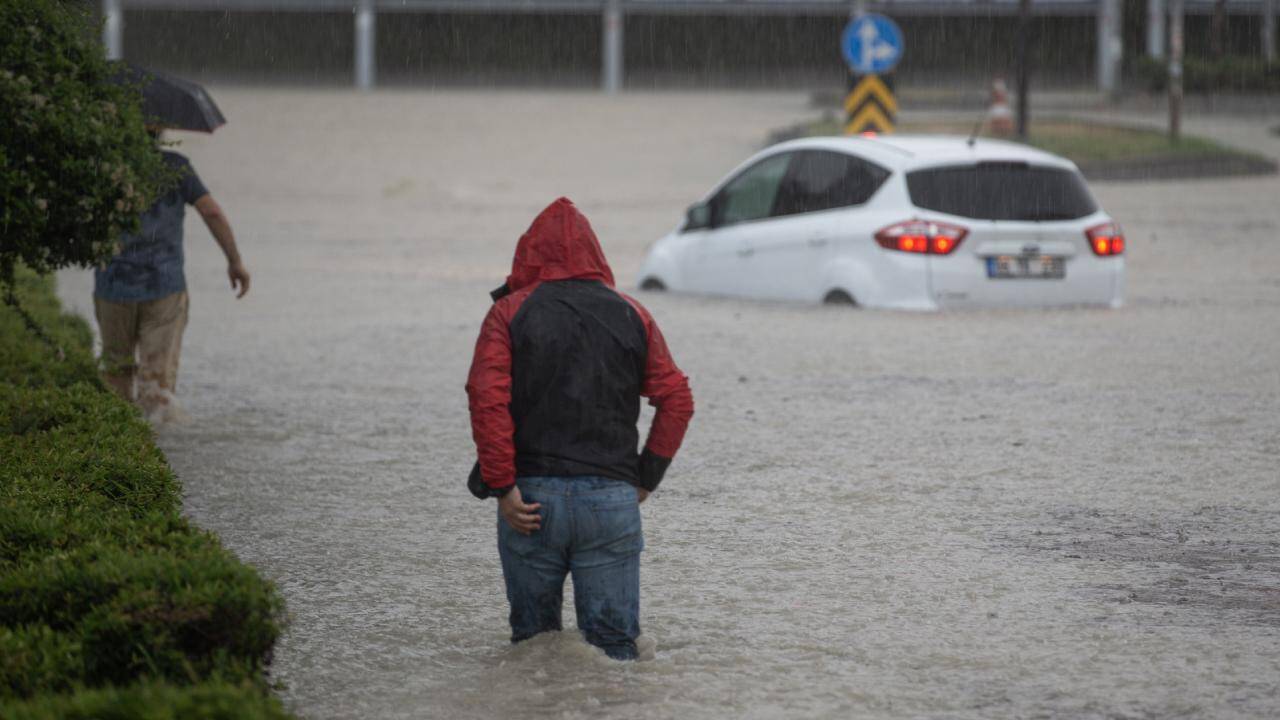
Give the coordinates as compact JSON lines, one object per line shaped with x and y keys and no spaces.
{"x":876,"y":514}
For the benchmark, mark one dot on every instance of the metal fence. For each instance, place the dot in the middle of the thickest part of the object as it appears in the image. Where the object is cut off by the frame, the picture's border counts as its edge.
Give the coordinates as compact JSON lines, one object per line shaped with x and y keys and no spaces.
{"x":1107,"y":16}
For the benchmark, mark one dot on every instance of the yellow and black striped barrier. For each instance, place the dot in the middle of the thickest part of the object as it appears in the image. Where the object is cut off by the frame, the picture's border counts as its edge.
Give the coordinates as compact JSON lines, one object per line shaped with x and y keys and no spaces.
{"x":870,"y":106}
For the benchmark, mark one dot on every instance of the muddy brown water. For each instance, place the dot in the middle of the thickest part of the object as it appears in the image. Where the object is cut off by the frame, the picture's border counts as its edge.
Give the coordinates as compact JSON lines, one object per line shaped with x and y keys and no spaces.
{"x":876,"y":514}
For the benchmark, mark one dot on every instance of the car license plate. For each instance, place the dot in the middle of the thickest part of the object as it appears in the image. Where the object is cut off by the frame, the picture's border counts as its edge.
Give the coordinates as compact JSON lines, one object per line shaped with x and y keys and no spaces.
{"x":1038,"y":267}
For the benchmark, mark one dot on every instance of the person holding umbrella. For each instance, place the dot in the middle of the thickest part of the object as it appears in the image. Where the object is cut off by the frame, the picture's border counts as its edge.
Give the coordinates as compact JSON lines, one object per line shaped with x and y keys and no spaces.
{"x":140,"y":296}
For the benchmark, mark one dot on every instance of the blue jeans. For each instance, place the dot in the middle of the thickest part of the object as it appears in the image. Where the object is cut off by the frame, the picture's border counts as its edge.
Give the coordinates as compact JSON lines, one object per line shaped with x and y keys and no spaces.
{"x":591,"y":528}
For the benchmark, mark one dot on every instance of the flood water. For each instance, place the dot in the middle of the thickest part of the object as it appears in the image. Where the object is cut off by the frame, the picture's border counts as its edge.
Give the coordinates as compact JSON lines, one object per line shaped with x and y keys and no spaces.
{"x":875,"y":514}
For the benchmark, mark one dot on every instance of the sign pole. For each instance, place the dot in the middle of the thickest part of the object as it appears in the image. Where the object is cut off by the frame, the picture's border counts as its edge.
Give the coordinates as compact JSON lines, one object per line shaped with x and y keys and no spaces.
{"x":1175,"y":70}
{"x":857,"y":9}
{"x":1024,"y":69}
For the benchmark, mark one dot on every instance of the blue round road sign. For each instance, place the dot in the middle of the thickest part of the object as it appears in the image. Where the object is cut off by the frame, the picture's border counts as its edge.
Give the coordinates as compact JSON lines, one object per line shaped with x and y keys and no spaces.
{"x":871,"y":44}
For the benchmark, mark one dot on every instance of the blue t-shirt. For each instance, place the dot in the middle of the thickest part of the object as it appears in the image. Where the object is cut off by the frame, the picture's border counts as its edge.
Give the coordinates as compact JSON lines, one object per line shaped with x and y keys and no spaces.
{"x":149,"y":264}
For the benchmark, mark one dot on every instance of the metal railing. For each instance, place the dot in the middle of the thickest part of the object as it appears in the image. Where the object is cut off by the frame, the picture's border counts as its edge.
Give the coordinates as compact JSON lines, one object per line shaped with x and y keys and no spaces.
{"x":613,"y":15}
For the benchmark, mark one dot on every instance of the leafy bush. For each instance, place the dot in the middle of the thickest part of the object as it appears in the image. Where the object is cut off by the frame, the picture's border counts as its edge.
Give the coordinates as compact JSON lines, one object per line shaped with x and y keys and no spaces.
{"x":31,"y":528}
{"x":36,"y":659}
{"x":102,"y":582}
{"x":78,"y":446}
{"x":156,"y":613}
{"x":76,"y":163}
{"x":153,"y":701}
{"x":34,"y":364}
{"x":1201,"y":75}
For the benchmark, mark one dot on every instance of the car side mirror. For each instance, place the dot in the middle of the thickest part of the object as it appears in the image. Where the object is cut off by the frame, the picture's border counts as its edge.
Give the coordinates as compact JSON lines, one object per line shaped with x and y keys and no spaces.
{"x":697,"y":217}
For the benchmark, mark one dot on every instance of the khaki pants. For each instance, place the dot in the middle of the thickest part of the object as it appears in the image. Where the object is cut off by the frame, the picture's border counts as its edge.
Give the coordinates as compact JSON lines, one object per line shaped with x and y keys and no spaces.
{"x":143,"y":340}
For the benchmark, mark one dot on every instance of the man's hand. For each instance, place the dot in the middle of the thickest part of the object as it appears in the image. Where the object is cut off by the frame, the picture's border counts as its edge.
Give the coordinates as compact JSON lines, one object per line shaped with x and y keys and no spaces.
{"x":642,"y":494}
{"x":522,"y":518}
{"x":211,"y":212}
{"x":239,"y":278}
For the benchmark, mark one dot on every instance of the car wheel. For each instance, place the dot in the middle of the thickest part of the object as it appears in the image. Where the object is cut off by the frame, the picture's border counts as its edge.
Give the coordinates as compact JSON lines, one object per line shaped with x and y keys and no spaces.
{"x":652,"y":283}
{"x":839,"y":297}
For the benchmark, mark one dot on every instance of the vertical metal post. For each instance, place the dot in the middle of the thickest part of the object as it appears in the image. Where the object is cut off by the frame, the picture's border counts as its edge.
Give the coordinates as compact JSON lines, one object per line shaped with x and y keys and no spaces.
{"x":113,"y":29}
{"x":1269,"y":30}
{"x":366,"y":45}
{"x":857,"y":9}
{"x":1155,"y":29}
{"x":1023,"y":44}
{"x":1109,"y":46}
{"x":1218,"y":30}
{"x":1175,"y":69}
{"x":1100,"y":32}
{"x":612,"y":50}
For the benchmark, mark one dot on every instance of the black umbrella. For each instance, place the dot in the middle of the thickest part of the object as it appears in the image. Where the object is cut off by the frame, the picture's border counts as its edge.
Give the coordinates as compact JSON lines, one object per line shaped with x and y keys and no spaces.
{"x":170,"y":101}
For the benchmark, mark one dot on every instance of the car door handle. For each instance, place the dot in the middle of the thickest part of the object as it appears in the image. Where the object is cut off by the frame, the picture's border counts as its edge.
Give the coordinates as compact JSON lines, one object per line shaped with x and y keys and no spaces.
{"x":746,"y":252}
{"x":817,"y":242}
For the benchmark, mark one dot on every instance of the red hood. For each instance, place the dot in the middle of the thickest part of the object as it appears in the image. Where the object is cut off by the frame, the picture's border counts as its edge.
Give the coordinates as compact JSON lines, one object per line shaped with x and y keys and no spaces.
{"x":559,"y":245}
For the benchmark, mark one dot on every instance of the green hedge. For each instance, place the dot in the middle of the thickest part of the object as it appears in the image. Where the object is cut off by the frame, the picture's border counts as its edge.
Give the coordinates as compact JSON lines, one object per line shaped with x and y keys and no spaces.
{"x":24,"y":361}
{"x":111,"y":604}
{"x":1201,"y":75}
{"x":153,"y":701}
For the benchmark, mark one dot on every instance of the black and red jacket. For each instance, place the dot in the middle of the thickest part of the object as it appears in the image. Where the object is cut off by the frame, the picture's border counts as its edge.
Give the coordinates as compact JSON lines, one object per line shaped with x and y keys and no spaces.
{"x":562,"y":362}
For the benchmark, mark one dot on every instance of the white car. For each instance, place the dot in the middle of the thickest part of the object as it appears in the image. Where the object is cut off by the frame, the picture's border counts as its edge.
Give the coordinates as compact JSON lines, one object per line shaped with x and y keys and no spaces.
{"x":906,"y":222}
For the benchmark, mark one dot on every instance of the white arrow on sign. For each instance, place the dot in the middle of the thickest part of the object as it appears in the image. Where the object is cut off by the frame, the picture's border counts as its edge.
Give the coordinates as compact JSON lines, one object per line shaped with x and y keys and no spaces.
{"x":871,"y":49}
{"x":868,"y":34}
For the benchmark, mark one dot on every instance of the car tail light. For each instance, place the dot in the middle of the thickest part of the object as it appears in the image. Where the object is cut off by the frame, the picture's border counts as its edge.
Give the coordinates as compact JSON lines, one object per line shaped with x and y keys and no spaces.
{"x":1106,"y":239}
{"x":922,"y":236}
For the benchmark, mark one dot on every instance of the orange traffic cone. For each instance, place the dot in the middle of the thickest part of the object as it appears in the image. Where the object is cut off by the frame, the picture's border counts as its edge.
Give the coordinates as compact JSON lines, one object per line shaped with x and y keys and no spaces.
{"x":999,"y":116}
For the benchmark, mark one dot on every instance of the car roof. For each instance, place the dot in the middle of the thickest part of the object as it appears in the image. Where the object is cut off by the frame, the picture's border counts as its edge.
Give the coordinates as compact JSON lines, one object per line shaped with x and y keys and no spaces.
{"x":911,"y":152}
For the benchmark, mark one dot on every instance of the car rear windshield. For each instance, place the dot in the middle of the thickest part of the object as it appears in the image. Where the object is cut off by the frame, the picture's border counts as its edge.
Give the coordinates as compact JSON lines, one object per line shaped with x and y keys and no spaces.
{"x":1002,"y":191}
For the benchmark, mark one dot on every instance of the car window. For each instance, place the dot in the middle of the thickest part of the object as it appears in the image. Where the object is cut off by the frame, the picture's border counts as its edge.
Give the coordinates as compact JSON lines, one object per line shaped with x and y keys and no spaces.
{"x":822,"y":180}
{"x":751,"y":195}
{"x":1002,"y":191}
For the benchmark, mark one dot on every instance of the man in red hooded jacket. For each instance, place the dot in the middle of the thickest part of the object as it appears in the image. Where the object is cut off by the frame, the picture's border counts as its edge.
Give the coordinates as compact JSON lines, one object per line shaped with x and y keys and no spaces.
{"x":555,"y":385}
